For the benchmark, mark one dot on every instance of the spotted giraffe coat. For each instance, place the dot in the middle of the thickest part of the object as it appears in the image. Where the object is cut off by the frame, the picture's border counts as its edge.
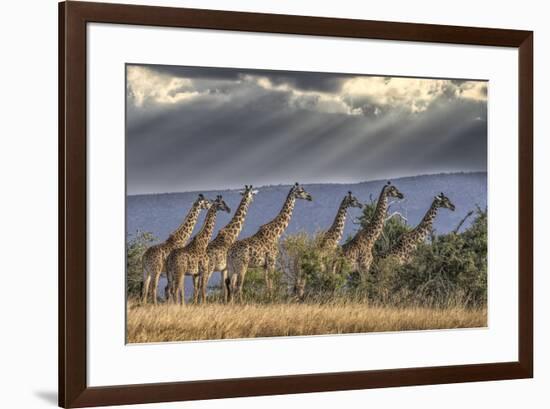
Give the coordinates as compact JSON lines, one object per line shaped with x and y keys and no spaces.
{"x":358,"y":251}
{"x":153,"y":260}
{"x":407,"y":244}
{"x":191,"y":259}
{"x":261,"y":249}
{"x":331,"y":238}
{"x":217,"y":248}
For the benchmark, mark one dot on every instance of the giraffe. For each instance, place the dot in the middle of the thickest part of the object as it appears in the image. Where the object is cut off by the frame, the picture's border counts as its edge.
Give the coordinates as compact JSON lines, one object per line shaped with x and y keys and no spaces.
{"x":333,"y":235}
{"x":190,"y":260}
{"x":260,"y":250}
{"x":358,"y":251}
{"x":217,"y":248}
{"x":403,"y":250}
{"x":153,"y":260}
{"x":328,"y":242}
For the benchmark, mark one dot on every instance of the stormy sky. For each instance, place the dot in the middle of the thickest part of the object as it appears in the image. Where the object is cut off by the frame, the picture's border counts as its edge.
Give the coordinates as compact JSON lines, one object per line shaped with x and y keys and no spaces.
{"x":195,"y":128}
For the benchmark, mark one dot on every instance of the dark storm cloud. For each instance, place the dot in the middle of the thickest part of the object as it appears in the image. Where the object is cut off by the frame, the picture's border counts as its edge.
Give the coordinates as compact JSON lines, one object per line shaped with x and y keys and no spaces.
{"x":307,"y":81}
{"x":196,"y":72}
{"x":233,"y":132}
{"x":310,"y":81}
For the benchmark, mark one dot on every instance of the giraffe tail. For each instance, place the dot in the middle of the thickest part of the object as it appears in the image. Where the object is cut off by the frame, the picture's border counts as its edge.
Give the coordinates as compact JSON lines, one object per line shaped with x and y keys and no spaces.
{"x":230,"y":271}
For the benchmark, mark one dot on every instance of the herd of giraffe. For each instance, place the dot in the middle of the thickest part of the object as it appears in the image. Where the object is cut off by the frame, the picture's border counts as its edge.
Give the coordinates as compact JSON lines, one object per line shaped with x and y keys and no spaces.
{"x":201,"y":256}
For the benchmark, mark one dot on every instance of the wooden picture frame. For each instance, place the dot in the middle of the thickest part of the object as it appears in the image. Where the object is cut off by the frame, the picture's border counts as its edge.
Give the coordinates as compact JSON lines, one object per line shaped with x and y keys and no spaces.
{"x":73,"y":388}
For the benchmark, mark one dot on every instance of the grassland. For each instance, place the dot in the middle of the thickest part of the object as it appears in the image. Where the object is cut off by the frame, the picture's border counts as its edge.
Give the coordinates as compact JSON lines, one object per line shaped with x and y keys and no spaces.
{"x":169,"y":322}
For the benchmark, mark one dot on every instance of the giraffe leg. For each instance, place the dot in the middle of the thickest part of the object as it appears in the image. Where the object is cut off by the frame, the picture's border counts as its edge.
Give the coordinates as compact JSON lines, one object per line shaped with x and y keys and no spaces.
{"x":269,"y":269}
{"x":180,"y":268}
{"x":145,"y":287}
{"x":155,"y":272}
{"x":230,"y":286}
{"x":195,"y":288}
{"x":235,"y":287}
{"x":223,"y":274}
{"x":364,"y":266}
{"x":229,"y":281}
{"x":156,"y":286}
{"x":200,"y":283}
{"x":170,"y":292}
{"x":204,"y":269}
{"x":180,"y":292}
{"x":239,"y":279}
{"x":169,"y":285}
{"x":239,"y":285}
{"x":204,"y":284}
{"x":334,"y":267}
{"x":268,"y":284}
{"x":167,"y":296}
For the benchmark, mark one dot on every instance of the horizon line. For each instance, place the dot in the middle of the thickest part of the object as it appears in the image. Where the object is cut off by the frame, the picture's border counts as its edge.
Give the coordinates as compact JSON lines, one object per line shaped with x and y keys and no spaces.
{"x":312,"y":183}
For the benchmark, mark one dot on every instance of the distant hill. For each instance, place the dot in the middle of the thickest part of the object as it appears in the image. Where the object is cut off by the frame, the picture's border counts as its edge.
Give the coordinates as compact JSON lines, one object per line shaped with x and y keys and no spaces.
{"x":160,"y":214}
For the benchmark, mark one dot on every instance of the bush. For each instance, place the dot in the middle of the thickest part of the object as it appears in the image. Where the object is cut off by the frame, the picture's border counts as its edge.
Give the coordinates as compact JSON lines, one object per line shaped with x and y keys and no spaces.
{"x":311,"y":272}
{"x":135,"y":247}
{"x":447,"y":270}
{"x":254,"y":288}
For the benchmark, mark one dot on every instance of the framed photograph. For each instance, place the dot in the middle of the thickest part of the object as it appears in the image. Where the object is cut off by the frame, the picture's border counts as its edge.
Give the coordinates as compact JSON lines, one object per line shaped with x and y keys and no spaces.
{"x":255,"y":204}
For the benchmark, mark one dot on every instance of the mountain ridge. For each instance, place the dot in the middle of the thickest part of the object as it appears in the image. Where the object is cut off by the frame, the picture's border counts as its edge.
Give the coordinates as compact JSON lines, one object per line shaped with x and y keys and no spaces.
{"x":312,"y":184}
{"x":161,"y":213}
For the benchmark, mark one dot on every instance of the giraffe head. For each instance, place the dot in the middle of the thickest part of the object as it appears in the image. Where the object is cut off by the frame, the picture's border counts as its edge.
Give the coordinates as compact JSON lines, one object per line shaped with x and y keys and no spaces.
{"x":391,"y":191}
{"x":351,"y":201}
{"x":220,"y":205}
{"x":298,"y":192}
{"x":248,"y":193}
{"x":202,"y":202}
{"x":443,"y":201}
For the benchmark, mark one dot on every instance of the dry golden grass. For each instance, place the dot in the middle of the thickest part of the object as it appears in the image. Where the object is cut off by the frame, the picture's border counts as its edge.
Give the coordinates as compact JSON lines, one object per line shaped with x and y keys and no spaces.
{"x":217,"y":321}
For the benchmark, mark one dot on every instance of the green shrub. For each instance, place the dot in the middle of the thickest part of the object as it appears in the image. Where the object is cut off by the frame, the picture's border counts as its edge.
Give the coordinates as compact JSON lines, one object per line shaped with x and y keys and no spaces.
{"x":135,"y":247}
{"x":447,"y":269}
{"x":311,"y":272}
{"x":254,"y":287}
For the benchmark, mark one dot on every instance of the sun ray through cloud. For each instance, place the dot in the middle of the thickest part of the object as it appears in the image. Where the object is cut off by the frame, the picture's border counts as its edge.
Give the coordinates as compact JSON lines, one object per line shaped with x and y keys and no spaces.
{"x":190,"y":126}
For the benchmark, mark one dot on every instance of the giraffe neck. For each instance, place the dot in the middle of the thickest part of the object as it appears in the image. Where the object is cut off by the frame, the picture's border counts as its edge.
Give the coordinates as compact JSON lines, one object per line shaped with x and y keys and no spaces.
{"x":201,"y":239}
{"x":179,"y":237}
{"x":277,"y":226}
{"x":421,"y":231}
{"x":231,"y":231}
{"x":335,"y":232}
{"x":373,"y":230}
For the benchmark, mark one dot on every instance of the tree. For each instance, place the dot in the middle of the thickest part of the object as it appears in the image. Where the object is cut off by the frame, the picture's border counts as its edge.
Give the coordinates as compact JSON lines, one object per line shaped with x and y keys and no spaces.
{"x":135,"y":247}
{"x":448,"y":270}
{"x":310,"y":271}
